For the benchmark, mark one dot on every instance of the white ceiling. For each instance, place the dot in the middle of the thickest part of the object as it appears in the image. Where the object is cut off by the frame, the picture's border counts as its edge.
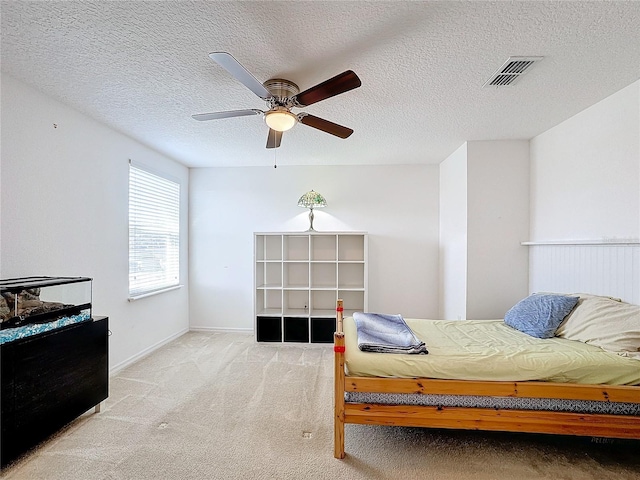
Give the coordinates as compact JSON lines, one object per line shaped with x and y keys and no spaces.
{"x":143,"y":68}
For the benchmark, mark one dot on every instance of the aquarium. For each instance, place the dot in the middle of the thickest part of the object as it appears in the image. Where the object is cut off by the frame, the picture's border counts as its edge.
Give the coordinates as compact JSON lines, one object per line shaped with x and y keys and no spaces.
{"x":31,"y":300}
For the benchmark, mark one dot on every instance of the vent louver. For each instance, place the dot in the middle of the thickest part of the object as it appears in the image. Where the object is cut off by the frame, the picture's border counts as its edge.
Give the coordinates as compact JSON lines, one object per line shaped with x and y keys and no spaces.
{"x":511,"y":71}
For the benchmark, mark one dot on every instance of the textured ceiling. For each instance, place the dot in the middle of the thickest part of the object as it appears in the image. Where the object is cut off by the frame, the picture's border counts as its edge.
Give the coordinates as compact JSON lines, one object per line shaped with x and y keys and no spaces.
{"x":143,"y":68}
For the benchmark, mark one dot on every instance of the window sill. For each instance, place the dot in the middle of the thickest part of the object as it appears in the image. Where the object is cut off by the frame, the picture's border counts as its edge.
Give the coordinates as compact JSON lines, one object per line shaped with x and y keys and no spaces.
{"x":155,"y":292}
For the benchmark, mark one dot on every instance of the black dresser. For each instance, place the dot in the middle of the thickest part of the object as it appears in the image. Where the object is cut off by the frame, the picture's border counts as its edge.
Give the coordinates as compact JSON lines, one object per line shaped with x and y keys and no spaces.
{"x":50,"y":379}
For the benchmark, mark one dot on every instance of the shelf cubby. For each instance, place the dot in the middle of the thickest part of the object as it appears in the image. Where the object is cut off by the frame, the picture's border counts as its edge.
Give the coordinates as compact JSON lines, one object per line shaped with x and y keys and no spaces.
{"x":296,"y":247}
{"x":269,"y":247}
{"x":296,"y":302}
{"x":323,"y":275}
{"x":296,"y":275}
{"x":351,"y":275}
{"x":268,"y":275}
{"x":354,"y":301}
{"x":351,"y":248}
{"x":323,"y":248}
{"x":269,"y":302}
{"x":323,"y":303}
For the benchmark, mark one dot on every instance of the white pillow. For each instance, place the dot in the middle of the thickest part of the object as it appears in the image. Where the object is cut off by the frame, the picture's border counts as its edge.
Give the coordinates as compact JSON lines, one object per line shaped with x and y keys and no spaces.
{"x":605,"y":322}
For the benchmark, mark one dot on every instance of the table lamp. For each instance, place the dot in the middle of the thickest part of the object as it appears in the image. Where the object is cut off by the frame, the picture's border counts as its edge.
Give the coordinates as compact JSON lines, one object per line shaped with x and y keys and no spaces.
{"x":312,"y":200}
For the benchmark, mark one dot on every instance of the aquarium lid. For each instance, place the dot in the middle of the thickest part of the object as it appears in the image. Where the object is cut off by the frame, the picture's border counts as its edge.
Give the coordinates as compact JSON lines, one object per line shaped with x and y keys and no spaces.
{"x":18,"y":284}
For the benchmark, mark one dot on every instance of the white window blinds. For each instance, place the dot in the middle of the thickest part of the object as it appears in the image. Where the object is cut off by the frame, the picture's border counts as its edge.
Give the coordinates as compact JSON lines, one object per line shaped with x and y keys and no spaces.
{"x":154,"y":232}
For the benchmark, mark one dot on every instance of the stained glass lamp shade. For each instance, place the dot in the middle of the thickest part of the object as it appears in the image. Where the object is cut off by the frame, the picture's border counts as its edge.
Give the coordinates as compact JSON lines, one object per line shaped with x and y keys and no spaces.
{"x":312,"y":200}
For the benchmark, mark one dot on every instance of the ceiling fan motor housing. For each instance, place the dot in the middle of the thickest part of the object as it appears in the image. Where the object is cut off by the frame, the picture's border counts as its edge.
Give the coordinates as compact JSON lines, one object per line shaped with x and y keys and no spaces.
{"x":281,"y":90}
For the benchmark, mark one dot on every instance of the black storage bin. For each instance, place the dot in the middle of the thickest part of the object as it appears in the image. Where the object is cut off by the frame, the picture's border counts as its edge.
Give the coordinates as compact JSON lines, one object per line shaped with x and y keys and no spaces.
{"x":322,"y":330}
{"x":296,"y":329}
{"x":269,"y":329}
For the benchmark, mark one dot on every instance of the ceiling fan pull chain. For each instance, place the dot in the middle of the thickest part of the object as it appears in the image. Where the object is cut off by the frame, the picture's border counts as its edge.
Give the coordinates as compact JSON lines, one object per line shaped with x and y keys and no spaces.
{"x":275,"y":156}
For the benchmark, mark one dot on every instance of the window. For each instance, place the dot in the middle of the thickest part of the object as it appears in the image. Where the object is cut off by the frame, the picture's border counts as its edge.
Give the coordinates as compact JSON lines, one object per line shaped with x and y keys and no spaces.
{"x":154,"y":233}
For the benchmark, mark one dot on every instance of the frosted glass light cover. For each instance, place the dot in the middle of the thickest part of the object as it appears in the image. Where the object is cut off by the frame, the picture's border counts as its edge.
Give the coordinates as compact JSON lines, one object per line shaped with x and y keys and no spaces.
{"x":280,"y":121}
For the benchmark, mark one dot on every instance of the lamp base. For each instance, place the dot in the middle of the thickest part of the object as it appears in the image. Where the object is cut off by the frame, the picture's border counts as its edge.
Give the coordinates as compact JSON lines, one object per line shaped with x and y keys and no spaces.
{"x":311,"y":229}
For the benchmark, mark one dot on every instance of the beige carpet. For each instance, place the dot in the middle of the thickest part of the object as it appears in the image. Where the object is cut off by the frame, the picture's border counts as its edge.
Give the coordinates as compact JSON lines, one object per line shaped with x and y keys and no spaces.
{"x":220,"y":406}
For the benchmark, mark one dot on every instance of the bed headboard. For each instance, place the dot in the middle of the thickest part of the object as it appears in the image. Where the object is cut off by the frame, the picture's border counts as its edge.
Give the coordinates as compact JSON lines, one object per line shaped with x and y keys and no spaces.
{"x":600,"y":268}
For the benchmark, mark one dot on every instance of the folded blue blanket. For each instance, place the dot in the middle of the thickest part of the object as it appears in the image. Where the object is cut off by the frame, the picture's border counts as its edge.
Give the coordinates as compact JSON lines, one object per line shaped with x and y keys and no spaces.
{"x":382,"y":333}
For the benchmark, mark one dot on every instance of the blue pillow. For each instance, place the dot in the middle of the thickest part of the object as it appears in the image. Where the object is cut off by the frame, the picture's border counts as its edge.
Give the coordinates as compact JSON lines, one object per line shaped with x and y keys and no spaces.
{"x":540,"y":315}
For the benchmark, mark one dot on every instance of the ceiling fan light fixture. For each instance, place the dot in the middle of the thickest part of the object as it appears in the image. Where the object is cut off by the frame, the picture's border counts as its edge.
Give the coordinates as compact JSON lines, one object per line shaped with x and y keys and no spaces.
{"x":280,"y":120}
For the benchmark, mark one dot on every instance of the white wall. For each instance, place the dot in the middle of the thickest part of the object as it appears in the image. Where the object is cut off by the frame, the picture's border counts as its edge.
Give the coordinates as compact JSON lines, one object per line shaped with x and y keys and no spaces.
{"x":484,"y":215}
{"x":453,"y":235}
{"x":65,"y":212}
{"x":585,"y":173}
{"x":396,"y":205}
{"x":585,"y":185}
{"x":497,"y":221}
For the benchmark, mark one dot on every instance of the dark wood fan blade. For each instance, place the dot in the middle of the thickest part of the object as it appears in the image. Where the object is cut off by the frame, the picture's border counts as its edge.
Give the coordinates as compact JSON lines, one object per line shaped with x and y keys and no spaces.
{"x":231,"y":113}
{"x":231,"y":65}
{"x":329,"y":88}
{"x":325,"y":125}
{"x":273,"y":140}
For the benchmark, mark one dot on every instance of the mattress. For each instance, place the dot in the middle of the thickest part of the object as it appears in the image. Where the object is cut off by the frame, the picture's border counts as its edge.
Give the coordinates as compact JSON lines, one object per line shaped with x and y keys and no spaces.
{"x":489,"y":350}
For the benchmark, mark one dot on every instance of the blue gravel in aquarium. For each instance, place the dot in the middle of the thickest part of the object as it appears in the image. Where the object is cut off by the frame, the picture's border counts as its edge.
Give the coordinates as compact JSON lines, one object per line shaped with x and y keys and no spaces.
{"x":11,"y":334}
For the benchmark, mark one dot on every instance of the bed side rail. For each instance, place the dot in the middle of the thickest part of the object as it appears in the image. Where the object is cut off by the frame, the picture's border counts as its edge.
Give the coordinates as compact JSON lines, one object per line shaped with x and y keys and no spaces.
{"x":338,"y":362}
{"x":606,"y":393}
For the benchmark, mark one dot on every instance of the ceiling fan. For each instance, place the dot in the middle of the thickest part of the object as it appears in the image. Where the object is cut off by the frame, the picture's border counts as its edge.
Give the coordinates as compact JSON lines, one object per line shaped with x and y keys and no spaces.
{"x":281,"y":96}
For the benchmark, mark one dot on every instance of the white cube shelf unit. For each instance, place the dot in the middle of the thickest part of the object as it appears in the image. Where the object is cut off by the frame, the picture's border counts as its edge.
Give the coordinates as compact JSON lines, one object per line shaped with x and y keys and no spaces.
{"x":299,"y":277}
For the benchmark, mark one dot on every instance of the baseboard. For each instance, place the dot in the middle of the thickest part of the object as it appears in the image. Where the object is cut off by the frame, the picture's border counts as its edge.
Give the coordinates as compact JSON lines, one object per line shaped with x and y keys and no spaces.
{"x":147,"y":351}
{"x":220,"y":329}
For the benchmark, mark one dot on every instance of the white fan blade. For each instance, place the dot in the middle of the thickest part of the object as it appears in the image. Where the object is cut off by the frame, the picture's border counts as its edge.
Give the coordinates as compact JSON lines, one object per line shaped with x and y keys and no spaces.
{"x":231,"y":65}
{"x":229,"y":114}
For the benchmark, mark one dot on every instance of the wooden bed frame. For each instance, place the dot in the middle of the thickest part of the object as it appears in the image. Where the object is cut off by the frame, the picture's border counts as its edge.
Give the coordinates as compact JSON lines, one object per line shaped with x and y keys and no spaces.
{"x":531,"y":421}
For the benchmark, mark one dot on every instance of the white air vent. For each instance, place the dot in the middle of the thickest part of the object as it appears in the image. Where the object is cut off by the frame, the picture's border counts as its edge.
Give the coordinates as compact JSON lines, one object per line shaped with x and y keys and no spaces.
{"x":511,"y":71}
